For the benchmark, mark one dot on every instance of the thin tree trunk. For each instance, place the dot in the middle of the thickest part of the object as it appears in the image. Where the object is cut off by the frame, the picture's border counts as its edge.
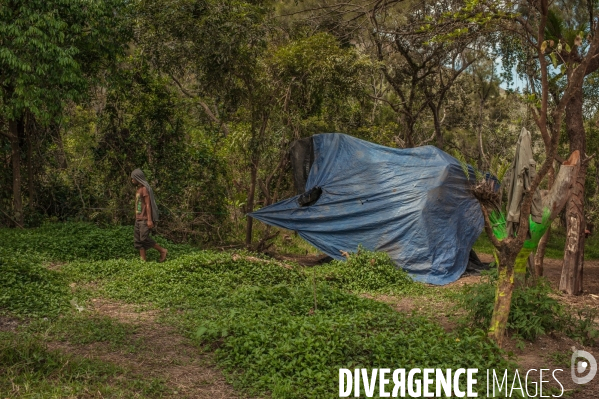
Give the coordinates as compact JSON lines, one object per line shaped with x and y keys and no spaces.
{"x":572,"y":270}
{"x":540,"y":253}
{"x":483,"y":158}
{"x":409,"y":136}
{"x":503,"y":297}
{"x":30,"y":175}
{"x":437,"y":123}
{"x":250,"y":204}
{"x":17,"y":203}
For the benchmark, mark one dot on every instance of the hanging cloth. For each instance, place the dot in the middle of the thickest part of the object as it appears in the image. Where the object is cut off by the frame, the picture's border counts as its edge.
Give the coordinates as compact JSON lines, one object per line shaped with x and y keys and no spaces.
{"x":519,"y":179}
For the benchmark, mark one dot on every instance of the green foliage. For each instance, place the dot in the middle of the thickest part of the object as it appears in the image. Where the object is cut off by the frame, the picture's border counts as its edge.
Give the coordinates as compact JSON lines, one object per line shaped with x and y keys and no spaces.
{"x":533,"y":312}
{"x":367,"y":271}
{"x":51,"y":47}
{"x":318,"y":73}
{"x":261,"y":317}
{"x":82,"y":328}
{"x":30,"y":368}
{"x":29,"y":289}
{"x":64,"y":242}
{"x":498,"y":224}
{"x":498,"y":167}
{"x":581,"y":325}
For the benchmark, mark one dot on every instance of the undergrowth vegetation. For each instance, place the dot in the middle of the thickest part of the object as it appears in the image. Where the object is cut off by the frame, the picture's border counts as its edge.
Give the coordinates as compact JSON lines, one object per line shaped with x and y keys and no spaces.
{"x":28,"y":288}
{"x":533,"y":313}
{"x":372,"y":272}
{"x":277,"y":328}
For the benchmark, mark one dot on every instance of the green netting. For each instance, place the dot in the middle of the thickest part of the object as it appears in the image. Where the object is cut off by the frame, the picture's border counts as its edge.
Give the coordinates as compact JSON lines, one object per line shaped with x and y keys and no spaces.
{"x":537,"y":230}
{"x":499,"y":227}
{"x":498,"y":224}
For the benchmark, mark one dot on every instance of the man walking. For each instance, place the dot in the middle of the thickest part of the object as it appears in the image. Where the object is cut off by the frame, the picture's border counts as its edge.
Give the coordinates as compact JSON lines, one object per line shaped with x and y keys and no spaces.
{"x":146,"y":213}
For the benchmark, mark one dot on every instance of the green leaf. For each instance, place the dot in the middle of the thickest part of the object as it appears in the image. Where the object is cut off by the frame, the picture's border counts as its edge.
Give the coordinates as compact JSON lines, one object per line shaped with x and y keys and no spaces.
{"x":553,"y":59}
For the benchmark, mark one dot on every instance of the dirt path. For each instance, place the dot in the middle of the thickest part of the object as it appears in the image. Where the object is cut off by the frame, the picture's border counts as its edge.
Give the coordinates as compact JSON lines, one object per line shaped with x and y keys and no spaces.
{"x":162,"y":354}
{"x":552,"y":270}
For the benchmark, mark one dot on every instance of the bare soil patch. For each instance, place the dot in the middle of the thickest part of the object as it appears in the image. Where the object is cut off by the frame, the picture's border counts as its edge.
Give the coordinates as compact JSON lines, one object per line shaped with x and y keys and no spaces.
{"x":554,"y":352}
{"x":9,"y":324}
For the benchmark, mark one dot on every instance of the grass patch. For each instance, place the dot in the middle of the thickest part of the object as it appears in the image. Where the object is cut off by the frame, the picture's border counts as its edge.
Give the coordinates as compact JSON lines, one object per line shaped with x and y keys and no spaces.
{"x":83,"y":328}
{"x":30,"y":369}
{"x":76,"y":241}
{"x":29,"y":289}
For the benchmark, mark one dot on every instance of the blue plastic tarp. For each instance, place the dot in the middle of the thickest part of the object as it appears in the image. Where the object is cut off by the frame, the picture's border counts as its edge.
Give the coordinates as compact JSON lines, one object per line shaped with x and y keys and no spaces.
{"x":414,"y":204}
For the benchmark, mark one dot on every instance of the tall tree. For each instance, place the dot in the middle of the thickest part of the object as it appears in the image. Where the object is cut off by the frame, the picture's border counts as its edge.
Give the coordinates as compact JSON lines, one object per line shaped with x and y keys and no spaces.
{"x":50,"y":51}
{"x":400,"y":35}
{"x":526,"y":22}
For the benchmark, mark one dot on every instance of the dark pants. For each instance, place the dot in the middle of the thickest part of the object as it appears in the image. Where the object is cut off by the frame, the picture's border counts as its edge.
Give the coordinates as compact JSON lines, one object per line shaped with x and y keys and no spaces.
{"x":141,"y":236}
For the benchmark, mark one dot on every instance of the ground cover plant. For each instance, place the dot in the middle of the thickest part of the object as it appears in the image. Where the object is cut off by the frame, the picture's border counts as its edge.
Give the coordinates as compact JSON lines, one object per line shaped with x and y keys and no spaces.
{"x":276,"y":328}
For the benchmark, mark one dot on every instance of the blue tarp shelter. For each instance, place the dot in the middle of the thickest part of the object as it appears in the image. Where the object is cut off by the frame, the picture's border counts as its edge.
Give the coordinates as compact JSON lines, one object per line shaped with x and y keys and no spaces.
{"x":412,"y":203}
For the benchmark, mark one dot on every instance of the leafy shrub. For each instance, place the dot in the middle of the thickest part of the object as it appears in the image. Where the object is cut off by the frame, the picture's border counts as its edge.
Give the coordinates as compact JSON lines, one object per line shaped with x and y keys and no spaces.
{"x":533,"y":312}
{"x":581,"y":325}
{"x":367,"y":271}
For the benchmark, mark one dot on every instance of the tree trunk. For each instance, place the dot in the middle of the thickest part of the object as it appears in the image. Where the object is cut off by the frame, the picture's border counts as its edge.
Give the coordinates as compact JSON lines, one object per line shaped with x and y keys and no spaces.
{"x":571,"y":279}
{"x":409,"y":135}
{"x":481,"y":151}
{"x":250,"y":204}
{"x":540,"y":253}
{"x":512,"y":268}
{"x":30,"y":175}
{"x":15,"y":128}
{"x":437,"y":123}
{"x":572,"y":271}
{"x":503,"y":296}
